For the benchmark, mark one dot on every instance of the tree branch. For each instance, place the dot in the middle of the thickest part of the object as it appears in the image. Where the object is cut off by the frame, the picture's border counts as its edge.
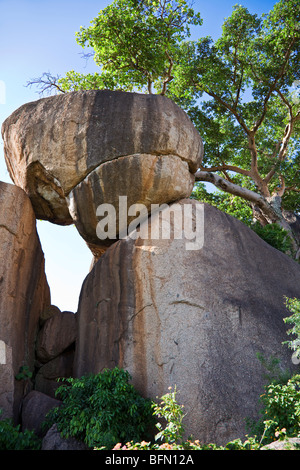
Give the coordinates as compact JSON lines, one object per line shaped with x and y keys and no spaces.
{"x":169,"y":77}
{"x":225,"y":167}
{"x":230,"y":108}
{"x":46,"y":82}
{"x":273,"y":86}
{"x":237,"y":190}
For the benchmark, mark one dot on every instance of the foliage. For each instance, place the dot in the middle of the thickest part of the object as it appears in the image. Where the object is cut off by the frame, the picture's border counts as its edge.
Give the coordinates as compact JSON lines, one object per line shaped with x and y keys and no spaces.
{"x":240,"y":91}
{"x":134,"y":43}
{"x":172,"y":413}
{"x":282,"y":408}
{"x":101,"y":409}
{"x":281,"y":420}
{"x":246,"y":111}
{"x":274,"y":373}
{"x":281,"y":400}
{"x":11,"y":438}
{"x":294,"y":306}
{"x":24,"y":373}
{"x":275,"y":235}
{"x":239,"y":208}
{"x":228,"y":203}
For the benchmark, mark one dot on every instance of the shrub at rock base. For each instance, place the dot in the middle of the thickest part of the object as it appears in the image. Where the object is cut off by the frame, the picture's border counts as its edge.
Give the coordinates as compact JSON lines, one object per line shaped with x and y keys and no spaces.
{"x":102,"y":409}
{"x":11,"y":438}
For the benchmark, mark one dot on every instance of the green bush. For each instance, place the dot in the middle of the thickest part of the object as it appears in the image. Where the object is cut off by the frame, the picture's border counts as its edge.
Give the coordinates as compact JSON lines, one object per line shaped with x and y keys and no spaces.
{"x":172,"y":413}
{"x":11,"y":438}
{"x":294,"y":306}
{"x":275,"y":235}
{"x":102,"y":409}
{"x":282,"y":409}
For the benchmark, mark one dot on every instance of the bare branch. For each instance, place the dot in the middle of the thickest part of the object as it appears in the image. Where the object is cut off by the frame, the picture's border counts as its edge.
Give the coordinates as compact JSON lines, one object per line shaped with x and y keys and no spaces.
{"x":47,"y":83}
{"x":237,"y":190}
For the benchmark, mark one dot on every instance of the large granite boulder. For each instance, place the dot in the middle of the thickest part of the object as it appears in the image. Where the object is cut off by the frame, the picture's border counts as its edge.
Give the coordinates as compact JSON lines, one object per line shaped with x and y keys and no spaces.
{"x":192,"y":316}
{"x":24,"y":293}
{"x":35,"y":407}
{"x":74,"y":151}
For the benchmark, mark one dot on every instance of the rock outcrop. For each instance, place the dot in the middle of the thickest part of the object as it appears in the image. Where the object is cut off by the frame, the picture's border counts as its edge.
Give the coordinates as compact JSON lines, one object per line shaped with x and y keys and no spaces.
{"x":55,"y":346}
{"x":186,"y":300}
{"x":192,"y":317}
{"x":24,"y":293}
{"x":72,"y":152}
{"x":35,"y":407}
{"x":56,"y":335}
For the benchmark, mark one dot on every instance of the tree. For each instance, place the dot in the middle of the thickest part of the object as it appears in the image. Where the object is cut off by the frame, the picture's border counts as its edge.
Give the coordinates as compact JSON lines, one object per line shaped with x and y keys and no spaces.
{"x":237,"y":90}
{"x":248,"y":117}
{"x":134,"y":43}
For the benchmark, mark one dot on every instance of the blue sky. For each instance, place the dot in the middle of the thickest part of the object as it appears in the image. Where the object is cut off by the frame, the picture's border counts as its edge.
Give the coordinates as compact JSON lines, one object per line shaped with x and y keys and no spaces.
{"x":39,"y":36}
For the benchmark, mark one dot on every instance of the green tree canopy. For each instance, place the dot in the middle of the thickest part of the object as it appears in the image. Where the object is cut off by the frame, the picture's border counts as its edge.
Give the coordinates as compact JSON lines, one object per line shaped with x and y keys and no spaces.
{"x":241,"y":92}
{"x":134,"y":43}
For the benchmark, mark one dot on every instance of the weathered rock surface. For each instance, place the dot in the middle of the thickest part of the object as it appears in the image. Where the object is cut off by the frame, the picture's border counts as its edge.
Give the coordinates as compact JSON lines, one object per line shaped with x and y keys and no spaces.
{"x":47,"y":313}
{"x":35,"y":407}
{"x":191,"y":318}
{"x":53,"y":144}
{"x":48,"y":376}
{"x":57,"y":334}
{"x":24,"y":293}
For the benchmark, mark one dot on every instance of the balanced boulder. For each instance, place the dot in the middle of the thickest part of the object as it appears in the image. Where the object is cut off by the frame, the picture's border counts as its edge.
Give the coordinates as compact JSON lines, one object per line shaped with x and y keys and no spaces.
{"x":192,"y":313}
{"x":56,"y":144}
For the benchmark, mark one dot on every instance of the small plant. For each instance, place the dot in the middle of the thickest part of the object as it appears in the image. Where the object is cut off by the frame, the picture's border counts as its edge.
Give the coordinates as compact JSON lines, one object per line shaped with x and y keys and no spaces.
{"x":24,"y":373}
{"x":294,"y":306}
{"x":11,"y":438}
{"x":102,"y":409}
{"x":172,"y":412}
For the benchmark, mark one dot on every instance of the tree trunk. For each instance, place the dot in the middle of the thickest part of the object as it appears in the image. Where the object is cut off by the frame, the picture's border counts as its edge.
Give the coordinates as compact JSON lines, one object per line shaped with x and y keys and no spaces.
{"x":266,"y":210}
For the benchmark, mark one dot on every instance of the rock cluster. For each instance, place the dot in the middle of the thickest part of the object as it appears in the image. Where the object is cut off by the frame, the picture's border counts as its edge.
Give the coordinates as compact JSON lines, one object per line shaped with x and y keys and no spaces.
{"x":188,"y":298}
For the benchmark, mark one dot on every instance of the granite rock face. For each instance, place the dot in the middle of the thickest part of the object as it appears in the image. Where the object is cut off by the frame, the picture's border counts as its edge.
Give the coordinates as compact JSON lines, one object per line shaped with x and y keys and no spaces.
{"x":61,"y":149}
{"x":24,"y":293}
{"x":194,"y":318}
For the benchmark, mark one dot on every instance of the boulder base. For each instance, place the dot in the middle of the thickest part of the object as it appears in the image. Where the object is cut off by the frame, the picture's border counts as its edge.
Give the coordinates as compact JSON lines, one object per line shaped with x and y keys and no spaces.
{"x":194,"y":318}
